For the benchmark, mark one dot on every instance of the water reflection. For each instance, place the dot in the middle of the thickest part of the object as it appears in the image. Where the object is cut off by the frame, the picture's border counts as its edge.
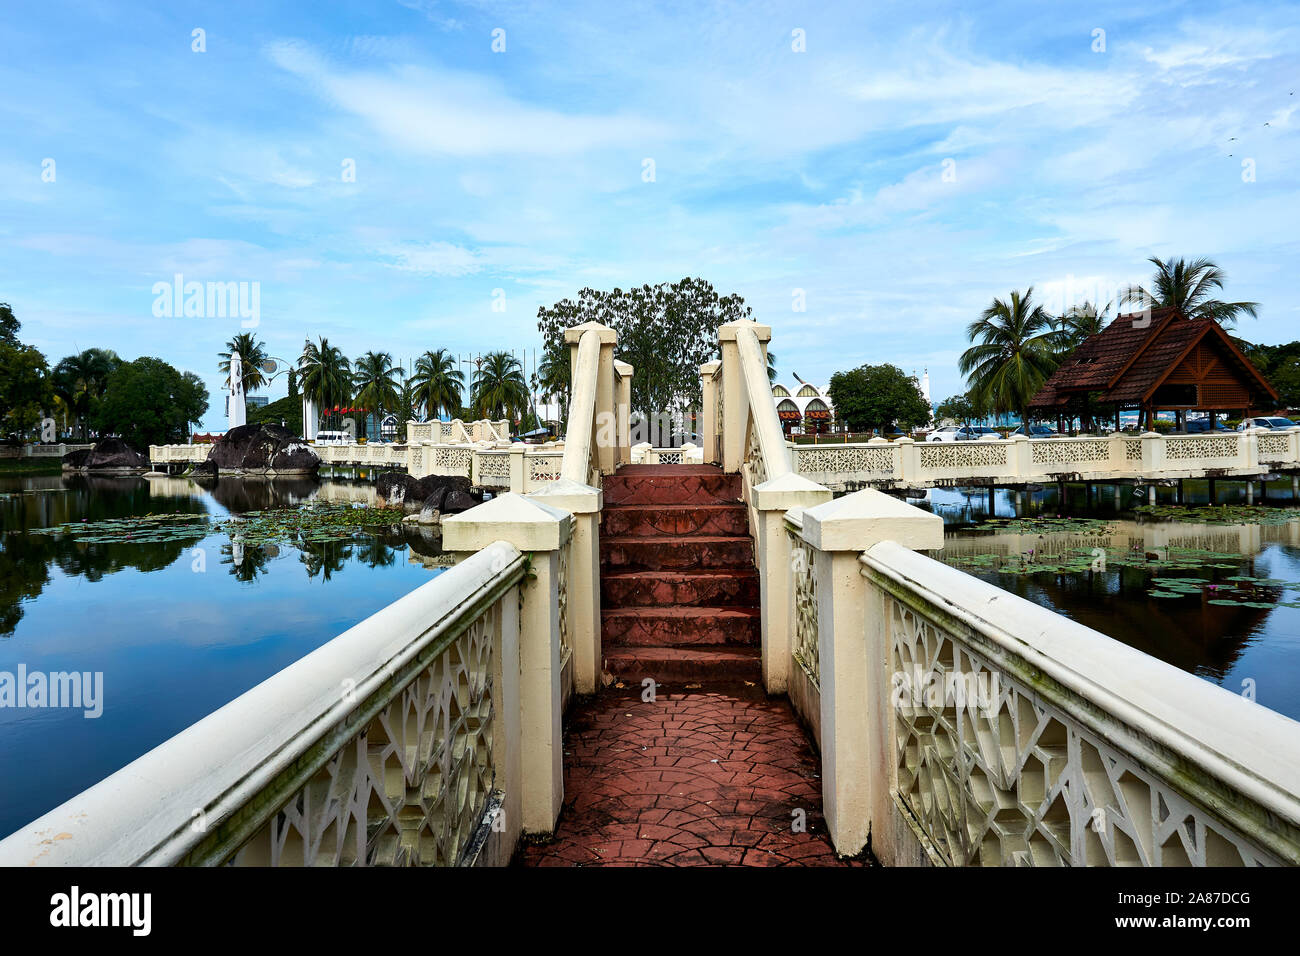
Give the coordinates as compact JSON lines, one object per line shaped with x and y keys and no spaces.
{"x":178,"y":626}
{"x":1238,"y":646}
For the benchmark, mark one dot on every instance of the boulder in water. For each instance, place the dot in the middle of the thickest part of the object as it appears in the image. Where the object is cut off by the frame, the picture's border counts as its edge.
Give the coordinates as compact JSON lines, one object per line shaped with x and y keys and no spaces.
{"x":110,"y":456}
{"x":263,"y":450}
{"x":205,"y":471}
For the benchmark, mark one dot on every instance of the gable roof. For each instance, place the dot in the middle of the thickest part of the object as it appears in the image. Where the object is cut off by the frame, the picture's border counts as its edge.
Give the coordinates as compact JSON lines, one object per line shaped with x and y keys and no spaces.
{"x":1130,"y":358}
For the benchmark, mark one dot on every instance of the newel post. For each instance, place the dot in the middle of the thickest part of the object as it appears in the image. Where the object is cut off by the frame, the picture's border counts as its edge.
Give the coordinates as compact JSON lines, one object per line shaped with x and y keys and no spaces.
{"x":624,"y":398}
{"x":539,"y":531}
{"x":735,"y":395}
{"x":604,"y":450}
{"x":772,"y":500}
{"x":857,"y":723}
{"x":1021,"y":457}
{"x":709,"y":411}
{"x":582,"y":587}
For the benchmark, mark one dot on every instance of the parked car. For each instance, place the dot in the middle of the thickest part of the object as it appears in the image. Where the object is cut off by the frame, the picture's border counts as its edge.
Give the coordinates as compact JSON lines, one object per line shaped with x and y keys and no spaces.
{"x":333,"y":438}
{"x":1200,"y":425}
{"x":1036,"y":431}
{"x":1272,"y":424}
{"x":983,"y":431}
{"x":952,"y":433}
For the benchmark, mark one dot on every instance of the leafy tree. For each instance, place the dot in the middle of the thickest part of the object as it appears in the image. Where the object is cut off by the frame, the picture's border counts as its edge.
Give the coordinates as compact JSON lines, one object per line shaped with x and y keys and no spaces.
{"x":252,"y":354}
{"x":878,"y":397}
{"x":499,"y":389}
{"x":80,"y":380}
{"x":293,"y":382}
{"x":959,"y":408}
{"x":666,"y":332}
{"x":437,"y":383}
{"x":1013,"y":354}
{"x":9,"y":325}
{"x":148,"y":402}
{"x":26,"y":388}
{"x":1280,"y":364}
{"x":287,"y":410}
{"x":326,"y":375}
{"x":1187,"y":287}
{"x":377,"y":385}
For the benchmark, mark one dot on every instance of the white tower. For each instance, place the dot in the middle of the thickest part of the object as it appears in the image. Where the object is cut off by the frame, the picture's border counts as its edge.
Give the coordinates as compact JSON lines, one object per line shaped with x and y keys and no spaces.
{"x":309,"y":423}
{"x":925,"y":385}
{"x":235,"y":412}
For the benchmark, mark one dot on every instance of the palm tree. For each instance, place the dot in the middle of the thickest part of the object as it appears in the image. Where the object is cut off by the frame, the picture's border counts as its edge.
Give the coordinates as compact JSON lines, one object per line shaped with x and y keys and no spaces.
{"x":1078,"y":324}
{"x":552,"y":378}
{"x":252,"y":355}
{"x":80,"y":380}
{"x":438,"y":383}
{"x":376,"y":382}
{"x":771,"y":368}
{"x":1186,"y":288}
{"x":325,"y":374}
{"x":499,"y":389}
{"x":1014,"y":354}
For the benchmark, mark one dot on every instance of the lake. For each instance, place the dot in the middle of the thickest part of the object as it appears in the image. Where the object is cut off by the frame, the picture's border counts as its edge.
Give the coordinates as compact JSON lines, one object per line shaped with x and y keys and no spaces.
{"x":179,"y":620}
{"x":1217,"y":595}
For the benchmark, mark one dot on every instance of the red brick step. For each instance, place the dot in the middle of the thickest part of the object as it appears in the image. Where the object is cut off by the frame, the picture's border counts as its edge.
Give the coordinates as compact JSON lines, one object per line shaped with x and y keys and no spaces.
{"x":679,"y":665}
{"x":720,"y":588}
{"x":676,"y":553}
{"x":671,"y":485}
{"x":678,"y":626}
{"x":653,"y":519}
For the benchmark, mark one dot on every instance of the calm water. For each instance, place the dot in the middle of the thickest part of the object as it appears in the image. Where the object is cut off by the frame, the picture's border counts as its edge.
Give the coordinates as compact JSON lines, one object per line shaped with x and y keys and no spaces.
{"x":178,"y":628}
{"x":1231,"y":643}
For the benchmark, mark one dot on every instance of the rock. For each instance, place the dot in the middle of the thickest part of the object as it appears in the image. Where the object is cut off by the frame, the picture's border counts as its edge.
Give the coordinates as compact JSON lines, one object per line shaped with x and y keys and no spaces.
{"x":430,"y":484}
{"x":110,"y":455}
{"x":205,"y":471}
{"x":456,"y":501}
{"x":263,"y":449}
{"x":430,"y":513}
{"x":395,"y":487}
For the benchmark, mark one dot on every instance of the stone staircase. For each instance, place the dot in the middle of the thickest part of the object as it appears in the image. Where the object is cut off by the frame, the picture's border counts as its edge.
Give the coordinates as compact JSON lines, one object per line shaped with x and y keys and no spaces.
{"x":678,"y":590}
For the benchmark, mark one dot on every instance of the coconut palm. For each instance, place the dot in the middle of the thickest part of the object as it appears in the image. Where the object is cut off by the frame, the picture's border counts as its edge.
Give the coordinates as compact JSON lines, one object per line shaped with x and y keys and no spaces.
{"x":551,"y":380}
{"x":1013,"y":354}
{"x":771,"y":368}
{"x":80,"y":380}
{"x":499,"y":389}
{"x":377,"y":383}
{"x":437,"y":383}
{"x":1187,"y":287}
{"x":252,"y":355}
{"x":325,"y":374}
{"x":1078,"y":324}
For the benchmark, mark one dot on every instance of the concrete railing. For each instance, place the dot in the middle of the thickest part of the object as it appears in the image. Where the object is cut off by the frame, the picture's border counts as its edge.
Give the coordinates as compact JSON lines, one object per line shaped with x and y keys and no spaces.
{"x":962,"y":725}
{"x":407,"y":740}
{"x":41,"y":451}
{"x":687,"y":454}
{"x":1151,"y":456}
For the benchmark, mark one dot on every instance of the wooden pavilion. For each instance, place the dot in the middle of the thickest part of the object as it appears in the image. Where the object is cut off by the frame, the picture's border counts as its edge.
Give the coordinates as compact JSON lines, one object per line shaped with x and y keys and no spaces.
{"x":1154,"y":362}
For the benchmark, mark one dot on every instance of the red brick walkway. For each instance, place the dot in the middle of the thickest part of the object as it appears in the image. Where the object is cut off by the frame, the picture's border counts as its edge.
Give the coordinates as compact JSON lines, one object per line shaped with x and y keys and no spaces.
{"x":696,"y":778}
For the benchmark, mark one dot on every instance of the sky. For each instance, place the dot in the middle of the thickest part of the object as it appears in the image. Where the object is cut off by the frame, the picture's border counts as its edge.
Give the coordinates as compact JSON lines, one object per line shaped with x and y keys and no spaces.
{"x":409,"y":175}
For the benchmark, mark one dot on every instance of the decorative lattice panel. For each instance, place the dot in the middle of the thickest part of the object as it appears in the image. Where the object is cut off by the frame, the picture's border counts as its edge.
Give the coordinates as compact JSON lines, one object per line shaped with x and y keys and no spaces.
{"x":1181,"y":449}
{"x":458,"y":458}
{"x":494,"y":466}
{"x":1133,"y":449}
{"x":1088,"y":451}
{"x":849,"y":460}
{"x":667,"y":456}
{"x":805,"y":648}
{"x":415,"y":456}
{"x":562,"y":597}
{"x":1274,"y":447}
{"x":409,"y":790}
{"x":544,"y":467}
{"x":754,"y":463}
{"x":975,"y":454}
{"x":996,"y":776}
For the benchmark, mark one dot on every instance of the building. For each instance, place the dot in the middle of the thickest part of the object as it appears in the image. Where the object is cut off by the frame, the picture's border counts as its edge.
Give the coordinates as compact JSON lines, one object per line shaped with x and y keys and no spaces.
{"x":1155,"y":363}
{"x":807,"y":409}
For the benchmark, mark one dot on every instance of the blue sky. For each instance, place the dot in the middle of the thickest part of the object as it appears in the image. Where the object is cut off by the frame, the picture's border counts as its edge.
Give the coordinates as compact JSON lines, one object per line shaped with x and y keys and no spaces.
{"x":914,"y":161}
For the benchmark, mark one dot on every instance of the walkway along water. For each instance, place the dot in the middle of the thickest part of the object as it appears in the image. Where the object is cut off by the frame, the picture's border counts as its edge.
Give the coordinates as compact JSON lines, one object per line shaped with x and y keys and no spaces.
{"x":433,"y":732}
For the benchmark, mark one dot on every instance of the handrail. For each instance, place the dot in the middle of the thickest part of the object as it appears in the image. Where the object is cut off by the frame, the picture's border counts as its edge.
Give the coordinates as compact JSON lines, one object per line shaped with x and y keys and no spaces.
{"x":762,"y":410}
{"x":582,"y":410}
{"x":1212,"y":739}
{"x":198,"y":797}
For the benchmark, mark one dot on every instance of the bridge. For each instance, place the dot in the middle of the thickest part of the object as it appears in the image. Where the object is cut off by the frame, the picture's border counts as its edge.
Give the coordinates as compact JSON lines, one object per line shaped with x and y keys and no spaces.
{"x":712,"y":663}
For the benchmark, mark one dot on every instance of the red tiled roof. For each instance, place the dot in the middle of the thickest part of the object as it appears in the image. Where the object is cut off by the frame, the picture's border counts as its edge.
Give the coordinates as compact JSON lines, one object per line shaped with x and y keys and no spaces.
{"x":1126,"y":360}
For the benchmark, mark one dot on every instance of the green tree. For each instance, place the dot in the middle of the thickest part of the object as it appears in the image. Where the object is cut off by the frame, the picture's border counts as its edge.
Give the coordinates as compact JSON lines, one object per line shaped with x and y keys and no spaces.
{"x":666,"y":332}
{"x":26,"y":388}
{"x":771,"y":367}
{"x":287,"y":410}
{"x":377,"y":384}
{"x":959,"y":408}
{"x":1188,"y":287}
{"x":148,"y":402}
{"x":552,"y":379}
{"x":80,"y":380}
{"x":326,"y":375}
{"x":293,"y":382}
{"x":1080,"y":323}
{"x":499,"y":390}
{"x":9,"y":325}
{"x":878,"y":397}
{"x":1014,"y":353}
{"x":252,"y":356}
{"x":438,"y":384}
{"x":1280,"y":364}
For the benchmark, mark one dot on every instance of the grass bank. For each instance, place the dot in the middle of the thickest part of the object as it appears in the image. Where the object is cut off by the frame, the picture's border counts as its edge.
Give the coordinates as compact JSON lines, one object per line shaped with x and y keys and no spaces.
{"x":31,"y":466}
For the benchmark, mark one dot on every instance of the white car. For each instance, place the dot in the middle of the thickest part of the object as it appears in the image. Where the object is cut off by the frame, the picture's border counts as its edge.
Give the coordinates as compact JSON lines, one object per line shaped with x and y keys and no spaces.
{"x":1272,"y":424}
{"x":952,"y":433}
{"x":334,"y":438}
